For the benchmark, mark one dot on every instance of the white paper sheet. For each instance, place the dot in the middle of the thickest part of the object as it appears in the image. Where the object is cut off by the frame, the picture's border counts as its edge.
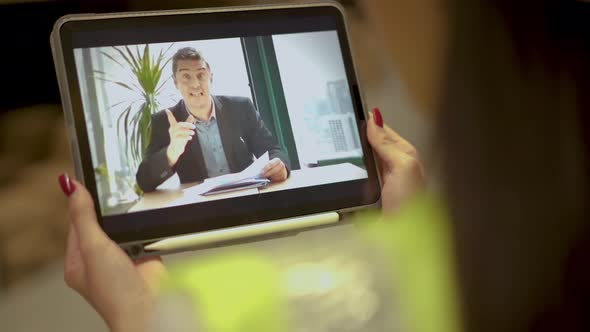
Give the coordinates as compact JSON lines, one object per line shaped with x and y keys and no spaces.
{"x":255,"y":169}
{"x":252,"y":171}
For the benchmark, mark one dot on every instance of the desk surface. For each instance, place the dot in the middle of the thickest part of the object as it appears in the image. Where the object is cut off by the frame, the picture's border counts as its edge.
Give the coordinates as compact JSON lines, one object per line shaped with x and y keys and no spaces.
{"x":305,"y":177}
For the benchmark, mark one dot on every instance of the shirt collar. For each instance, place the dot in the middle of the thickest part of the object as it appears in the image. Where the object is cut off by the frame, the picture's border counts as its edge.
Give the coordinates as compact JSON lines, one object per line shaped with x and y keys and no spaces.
{"x":213,"y":114}
{"x":211,"y":117}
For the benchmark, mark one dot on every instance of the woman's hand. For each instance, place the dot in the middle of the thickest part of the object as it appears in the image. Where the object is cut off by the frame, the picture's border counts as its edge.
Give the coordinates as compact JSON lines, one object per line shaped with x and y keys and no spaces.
{"x":180,"y":134}
{"x":401,"y":170}
{"x":122,"y":291}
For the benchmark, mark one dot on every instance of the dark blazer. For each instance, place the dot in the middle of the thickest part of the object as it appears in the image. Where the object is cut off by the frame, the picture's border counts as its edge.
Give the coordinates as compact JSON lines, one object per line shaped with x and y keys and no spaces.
{"x":243,"y":136}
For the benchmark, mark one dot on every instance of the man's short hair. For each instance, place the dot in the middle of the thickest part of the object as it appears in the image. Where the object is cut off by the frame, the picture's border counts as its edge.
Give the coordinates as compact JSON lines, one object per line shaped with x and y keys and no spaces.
{"x":187,"y":53}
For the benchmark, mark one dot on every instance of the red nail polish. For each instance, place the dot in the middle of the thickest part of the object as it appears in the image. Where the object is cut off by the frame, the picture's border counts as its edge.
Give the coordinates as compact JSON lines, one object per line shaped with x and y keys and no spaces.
{"x":378,"y":117}
{"x":67,"y":186}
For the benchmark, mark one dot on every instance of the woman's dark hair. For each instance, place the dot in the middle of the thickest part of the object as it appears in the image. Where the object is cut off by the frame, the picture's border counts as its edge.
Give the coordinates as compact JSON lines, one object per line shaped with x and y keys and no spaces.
{"x":513,"y":133}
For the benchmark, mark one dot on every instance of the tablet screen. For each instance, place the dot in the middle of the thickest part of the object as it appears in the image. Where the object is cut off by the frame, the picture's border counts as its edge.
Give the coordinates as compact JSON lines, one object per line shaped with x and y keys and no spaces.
{"x":202,"y":121}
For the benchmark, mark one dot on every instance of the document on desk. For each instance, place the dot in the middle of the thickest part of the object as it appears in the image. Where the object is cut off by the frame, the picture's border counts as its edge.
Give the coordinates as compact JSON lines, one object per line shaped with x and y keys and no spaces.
{"x":248,"y":178}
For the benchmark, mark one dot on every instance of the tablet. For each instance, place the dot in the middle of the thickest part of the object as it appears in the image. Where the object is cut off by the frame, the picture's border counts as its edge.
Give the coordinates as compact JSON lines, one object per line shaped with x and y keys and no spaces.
{"x":241,"y":121}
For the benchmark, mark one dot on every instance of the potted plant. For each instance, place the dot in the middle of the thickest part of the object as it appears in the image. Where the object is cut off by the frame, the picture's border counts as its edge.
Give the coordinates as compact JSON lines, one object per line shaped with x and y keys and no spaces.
{"x":145,"y":85}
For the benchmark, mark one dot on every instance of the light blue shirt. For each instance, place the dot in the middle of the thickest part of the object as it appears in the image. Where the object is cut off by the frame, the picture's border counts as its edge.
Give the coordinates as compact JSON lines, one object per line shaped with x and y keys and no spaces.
{"x":211,"y":145}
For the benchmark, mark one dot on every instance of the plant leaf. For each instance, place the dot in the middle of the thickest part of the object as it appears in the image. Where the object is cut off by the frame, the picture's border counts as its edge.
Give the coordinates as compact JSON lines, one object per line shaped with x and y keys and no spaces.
{"x":146,"y":56}
{"x":124,"y":101}
{"x":113,"y":59}
{"x":159,"y":89}
{"x":117,"y":104}
{"x":102,"y":169}
{"x":169,"y":47}
{"x":120,"y":125}
{"x":126,"y":122}
{"x":145,"y":128}
{"x":116,"y":82}
{"x":136,"y":60}
{"x":134,"y":123}
{"x":137,"y":51}
{"x":135,"y":134}
{"x":160,"y":58}
{"x":127,"y":60}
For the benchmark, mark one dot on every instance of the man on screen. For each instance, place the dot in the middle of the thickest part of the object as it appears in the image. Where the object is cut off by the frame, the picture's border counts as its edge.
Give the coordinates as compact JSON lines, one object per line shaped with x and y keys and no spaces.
{"x":203,"y":135}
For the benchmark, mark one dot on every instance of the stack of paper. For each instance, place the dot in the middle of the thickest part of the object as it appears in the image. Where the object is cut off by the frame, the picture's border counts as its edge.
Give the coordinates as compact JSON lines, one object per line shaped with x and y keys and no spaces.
{"x":251,"y":177}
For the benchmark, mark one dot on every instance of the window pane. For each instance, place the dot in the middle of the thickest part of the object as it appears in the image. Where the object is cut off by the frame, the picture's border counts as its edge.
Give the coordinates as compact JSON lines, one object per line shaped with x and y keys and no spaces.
{"x":317,"y":95}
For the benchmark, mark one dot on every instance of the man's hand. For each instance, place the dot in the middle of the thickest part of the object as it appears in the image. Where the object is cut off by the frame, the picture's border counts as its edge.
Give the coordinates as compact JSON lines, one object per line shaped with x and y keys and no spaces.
{"x":122,"y":291}
{"x":400,"y":166}
{"x":180,"y":134}
{"x":275,"y":170}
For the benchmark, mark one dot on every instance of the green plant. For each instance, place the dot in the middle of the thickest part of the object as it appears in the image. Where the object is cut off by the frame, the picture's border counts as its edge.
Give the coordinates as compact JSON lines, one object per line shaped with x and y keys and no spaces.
{"x":134,"y":121}
{"x":124,"y":182}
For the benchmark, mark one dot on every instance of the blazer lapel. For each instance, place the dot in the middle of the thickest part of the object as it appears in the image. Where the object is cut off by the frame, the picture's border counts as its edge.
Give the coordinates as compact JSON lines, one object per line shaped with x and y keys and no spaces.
{"x":192,"y":161}
{"x":178,"y":110}
{"x":225,"y":131}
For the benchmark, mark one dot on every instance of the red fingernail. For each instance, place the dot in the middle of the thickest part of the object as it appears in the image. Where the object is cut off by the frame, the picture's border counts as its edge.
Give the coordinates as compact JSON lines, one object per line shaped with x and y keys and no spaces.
{"x":67,"y":186}
{"x":378,"y":117}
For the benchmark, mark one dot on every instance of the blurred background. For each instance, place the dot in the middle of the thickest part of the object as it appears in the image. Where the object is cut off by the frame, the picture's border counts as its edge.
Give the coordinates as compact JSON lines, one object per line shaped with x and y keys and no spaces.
{"x":34,"y":151}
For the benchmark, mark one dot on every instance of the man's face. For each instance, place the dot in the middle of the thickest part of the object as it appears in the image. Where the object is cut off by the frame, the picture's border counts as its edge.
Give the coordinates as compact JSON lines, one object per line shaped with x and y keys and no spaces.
{"x":193,"y":80}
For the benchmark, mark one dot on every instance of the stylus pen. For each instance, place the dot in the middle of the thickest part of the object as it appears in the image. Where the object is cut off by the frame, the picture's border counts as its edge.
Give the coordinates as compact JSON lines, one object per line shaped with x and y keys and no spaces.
{"x":264,"y":228}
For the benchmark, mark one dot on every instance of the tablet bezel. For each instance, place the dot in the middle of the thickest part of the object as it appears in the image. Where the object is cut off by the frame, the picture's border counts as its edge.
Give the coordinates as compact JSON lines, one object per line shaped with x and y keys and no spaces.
{"x":162,"y":223}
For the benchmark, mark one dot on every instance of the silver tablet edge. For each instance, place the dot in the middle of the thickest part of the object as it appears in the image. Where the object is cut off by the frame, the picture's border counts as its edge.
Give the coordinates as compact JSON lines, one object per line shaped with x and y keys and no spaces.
{"x":240,"y":234}
{"x":303,"y":4}
{"x":62,"y":80}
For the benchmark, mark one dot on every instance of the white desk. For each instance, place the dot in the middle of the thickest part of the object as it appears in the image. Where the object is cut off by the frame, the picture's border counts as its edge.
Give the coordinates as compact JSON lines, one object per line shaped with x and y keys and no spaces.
{"x":299,"y":178}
